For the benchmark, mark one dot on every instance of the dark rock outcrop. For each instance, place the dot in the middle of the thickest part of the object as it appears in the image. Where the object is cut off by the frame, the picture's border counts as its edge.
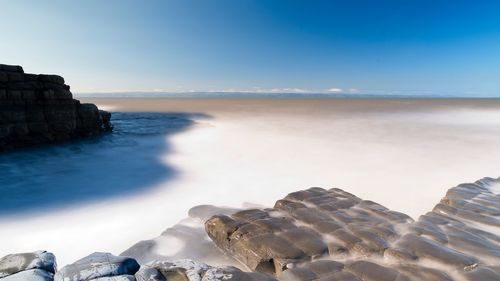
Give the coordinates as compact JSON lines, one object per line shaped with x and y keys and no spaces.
{"x":319,"y":234}
{"x":37,"y":109}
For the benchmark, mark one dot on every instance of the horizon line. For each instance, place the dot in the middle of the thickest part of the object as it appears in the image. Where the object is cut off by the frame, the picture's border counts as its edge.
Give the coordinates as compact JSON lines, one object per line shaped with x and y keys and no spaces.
{"x":146,"y":94}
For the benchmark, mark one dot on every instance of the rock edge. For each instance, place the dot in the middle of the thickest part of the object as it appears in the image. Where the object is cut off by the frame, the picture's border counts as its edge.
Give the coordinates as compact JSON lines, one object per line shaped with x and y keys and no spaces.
{"x":39,"y":108}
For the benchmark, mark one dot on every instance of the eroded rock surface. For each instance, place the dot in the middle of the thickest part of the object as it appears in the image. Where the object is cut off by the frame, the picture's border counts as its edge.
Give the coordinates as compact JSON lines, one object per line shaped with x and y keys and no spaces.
{"x":41,"y":266}
{"x":188,"y":270}
{"x":320,"y":234}
{"x":30,"y":275}
{"x":35,"y":266}
{"x":99,"y":267}
{"x":36,"y":109}
{"x":190,"y":235}
{"x":310,"y":235}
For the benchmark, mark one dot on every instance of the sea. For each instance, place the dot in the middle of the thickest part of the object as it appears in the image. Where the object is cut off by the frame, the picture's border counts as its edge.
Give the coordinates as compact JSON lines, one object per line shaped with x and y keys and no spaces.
{"x":169,"y":154}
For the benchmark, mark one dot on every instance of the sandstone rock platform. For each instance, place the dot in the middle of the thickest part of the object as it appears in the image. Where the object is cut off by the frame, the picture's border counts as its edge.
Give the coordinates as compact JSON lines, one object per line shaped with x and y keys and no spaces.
{"x":310,"y":235}
{"x":319,"y":234}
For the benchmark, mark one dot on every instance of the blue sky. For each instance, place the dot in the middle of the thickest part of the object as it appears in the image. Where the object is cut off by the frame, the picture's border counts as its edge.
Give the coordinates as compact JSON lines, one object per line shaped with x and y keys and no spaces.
{"x":368,"y":47}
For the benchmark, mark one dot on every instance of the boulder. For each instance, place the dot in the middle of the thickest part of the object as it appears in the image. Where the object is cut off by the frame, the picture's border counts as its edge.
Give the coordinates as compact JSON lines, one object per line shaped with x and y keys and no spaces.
{"x":189,"y":270}
{"x":99,"y":265}
{"x":36,"y":263}
{"x":147,"y":273}
{"x":30,"y":275}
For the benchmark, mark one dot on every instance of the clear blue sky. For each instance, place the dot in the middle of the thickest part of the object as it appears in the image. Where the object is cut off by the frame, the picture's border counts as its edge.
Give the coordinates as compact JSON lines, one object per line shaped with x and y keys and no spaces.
{"x":405,"y":47}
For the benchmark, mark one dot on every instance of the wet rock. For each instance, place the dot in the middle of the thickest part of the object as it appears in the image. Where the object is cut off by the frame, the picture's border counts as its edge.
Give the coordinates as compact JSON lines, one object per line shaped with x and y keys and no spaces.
{"x":98,"y":265}
{"x":234,"y":274}
{"x":467,"y":216}
{"x":147,"y":273}
{"x":426,"y":248}
{"x":459,"y":235}
{"x":325,"y":267}
{"x":339,"y":276}
{"x":312,"y":247}
{"x":312,"y":223}
{"x":188,"y":270}
{"x":16,"y":263}
{"x":116,"y":278}
{"x":30,"y":275}
{"x":317,"y":270}
{"x":418,"y":273}
{"x":369,"y":271}
{"x":483,"y":274}
{"x":141,"y":251}
{"x":298,"y":274}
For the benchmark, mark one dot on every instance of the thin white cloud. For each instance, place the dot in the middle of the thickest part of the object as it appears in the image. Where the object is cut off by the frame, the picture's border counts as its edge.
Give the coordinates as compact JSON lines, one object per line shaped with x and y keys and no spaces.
{"x":251,"y":90}
{"x":335,"y":90}
{"x":261,"y":90}
{"x":296,"y":90}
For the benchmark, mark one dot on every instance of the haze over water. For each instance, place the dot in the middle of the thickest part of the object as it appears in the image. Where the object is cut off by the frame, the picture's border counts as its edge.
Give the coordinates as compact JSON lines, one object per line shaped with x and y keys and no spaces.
{"x":168,"y":155}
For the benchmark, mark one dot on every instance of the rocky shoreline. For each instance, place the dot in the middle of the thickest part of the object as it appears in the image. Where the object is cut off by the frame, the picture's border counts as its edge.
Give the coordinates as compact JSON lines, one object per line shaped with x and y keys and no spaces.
{"x":39,"y":109}
{"x":315,"y":234}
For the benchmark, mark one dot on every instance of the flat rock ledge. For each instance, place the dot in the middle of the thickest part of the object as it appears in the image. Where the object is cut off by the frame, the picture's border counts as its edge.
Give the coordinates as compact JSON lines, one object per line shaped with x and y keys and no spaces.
{"x":38,"y":109}
{"x":316,"y":235}
{"x":319,"y":234}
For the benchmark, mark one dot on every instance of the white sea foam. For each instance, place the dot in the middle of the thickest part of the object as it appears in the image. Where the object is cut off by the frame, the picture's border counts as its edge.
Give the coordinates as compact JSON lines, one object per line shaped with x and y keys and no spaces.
{"x":259,"y":155}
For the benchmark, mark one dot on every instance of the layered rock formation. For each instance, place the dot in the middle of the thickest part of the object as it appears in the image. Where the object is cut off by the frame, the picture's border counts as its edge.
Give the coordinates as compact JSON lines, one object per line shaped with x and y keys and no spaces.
{"x":313,"y":235}
{"x":36,"y":109}
{"x":319,"y":234}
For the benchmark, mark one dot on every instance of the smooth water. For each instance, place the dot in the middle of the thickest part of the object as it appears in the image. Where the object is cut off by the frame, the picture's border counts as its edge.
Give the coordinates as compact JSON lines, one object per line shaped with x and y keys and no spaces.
{"x":118,"y":164}
{"x":106,"y":193}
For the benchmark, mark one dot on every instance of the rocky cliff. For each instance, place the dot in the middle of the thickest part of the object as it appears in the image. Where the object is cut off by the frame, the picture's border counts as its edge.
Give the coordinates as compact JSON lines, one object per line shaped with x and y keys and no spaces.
{"x":37,"y":109}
